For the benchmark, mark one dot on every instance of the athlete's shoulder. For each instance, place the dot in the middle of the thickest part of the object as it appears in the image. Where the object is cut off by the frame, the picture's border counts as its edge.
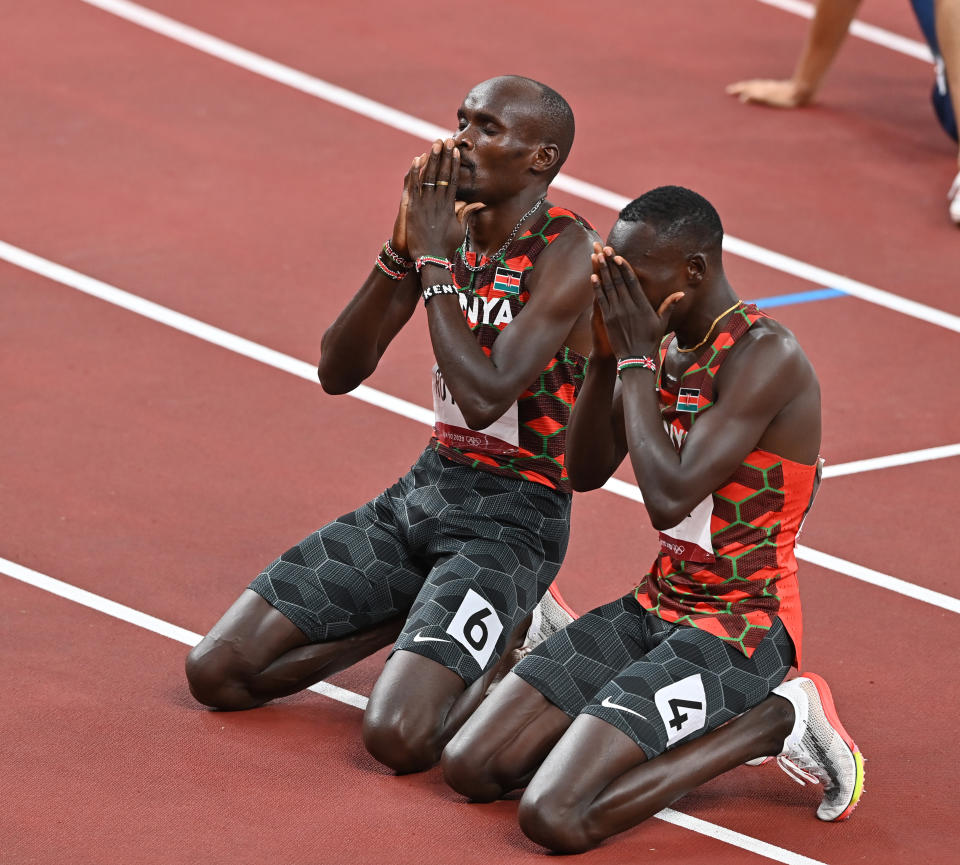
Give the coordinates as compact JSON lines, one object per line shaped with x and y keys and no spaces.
{"x":557,"y":216}
{"x":566,"y":235}
{"x":563,"y":229}
{"x":770,"y":334}
{"x":771,"y":346}
{"x":563,"y":263}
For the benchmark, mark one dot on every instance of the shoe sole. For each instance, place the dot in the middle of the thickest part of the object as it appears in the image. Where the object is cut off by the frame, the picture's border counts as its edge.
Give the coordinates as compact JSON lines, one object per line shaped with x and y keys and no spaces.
{"x":555,"y":592}
{"x":830,"y":710}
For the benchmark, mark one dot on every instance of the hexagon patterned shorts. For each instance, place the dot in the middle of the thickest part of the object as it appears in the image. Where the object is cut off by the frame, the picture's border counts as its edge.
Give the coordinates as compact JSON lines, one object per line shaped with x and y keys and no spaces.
{"x":465,"y":554}
{"x":659,"y":682}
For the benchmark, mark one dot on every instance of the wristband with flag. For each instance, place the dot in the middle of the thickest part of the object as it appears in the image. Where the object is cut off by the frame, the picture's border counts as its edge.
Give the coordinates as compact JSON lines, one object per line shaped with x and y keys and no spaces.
{"x":645,"y":362}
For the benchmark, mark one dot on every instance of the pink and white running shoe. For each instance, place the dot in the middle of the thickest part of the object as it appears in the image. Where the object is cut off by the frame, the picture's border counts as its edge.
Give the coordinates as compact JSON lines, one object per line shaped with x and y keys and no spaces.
{"x":819,"y":749}
{"x":552,"y":614}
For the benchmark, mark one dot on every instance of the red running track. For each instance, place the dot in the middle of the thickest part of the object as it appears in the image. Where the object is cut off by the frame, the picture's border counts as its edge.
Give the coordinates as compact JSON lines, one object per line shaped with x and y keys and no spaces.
{"x":161,"y":472}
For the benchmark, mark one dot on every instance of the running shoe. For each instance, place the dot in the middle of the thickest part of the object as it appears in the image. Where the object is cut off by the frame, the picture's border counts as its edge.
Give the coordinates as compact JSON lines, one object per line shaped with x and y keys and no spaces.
{"x":819,"y":748}
{"x":953,"y":196}
{"x":552,"y":614}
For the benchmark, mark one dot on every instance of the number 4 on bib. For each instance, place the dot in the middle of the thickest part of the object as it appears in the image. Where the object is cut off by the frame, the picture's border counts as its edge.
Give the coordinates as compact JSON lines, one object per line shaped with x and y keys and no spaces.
{"x":682,"y":707}
{"x":476,"y":626}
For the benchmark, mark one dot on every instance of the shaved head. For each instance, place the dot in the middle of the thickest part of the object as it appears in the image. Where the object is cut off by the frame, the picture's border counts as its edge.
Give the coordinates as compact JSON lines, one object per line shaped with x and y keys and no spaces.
{"x":547,"y":110}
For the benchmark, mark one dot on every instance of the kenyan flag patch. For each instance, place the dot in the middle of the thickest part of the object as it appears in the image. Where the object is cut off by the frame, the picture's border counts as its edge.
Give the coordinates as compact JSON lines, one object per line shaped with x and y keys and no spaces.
{"x":688,"y":399}
{"x":507,"y":281}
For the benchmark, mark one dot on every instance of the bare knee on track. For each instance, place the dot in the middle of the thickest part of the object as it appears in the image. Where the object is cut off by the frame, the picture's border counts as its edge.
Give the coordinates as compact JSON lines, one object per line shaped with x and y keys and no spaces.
{"x":218,"y":678}
{"x":471,"y":774}
{"x":552,"y":824}
{"x":402,"y":743}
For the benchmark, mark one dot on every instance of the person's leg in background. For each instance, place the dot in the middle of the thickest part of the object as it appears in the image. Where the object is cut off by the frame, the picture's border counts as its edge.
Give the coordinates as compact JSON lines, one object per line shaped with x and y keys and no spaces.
{"x":947,"y":95}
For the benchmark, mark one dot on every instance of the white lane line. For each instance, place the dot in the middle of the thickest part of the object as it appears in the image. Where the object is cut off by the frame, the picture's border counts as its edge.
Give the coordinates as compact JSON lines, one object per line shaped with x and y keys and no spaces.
{"x":189,"y":638}
{"x":142,"y":620}
{"x":812,"y":273}
{"x":624,"y":489}
{"x":277,"y":360}
{"x":862,"y":30}
{"x":98,"y":602}
{"x":903,"y":459}
{"x":736,"y":839}
{"x":876,"y":578}
{"x":199,"y":329}
{"x":373,"y":110}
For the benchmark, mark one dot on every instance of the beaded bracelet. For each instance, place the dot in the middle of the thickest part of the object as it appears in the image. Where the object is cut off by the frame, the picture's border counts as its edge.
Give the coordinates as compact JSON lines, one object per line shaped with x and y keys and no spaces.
{"x":395,"y":257}
{"x":432,"y":291}
{"x":424,"y":260}
{"x":395,"y":275}
{"x":645,"y":362}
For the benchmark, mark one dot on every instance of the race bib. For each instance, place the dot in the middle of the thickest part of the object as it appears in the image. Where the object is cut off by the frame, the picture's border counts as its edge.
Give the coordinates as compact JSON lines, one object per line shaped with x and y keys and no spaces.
{"x":450,"y":427}
{"x":689,"y":540}
{"x":682,"y":707}
{"x":476,"y":626}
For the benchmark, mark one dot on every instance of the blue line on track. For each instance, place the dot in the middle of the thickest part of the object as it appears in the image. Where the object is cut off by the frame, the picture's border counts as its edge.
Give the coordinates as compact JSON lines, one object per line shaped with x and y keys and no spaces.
{"x":799,"y":297}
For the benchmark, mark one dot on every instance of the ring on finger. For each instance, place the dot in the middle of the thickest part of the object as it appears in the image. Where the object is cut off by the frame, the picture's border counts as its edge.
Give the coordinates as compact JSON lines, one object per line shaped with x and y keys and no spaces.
{"x":443,"y":183}
{"x":427,"y":183}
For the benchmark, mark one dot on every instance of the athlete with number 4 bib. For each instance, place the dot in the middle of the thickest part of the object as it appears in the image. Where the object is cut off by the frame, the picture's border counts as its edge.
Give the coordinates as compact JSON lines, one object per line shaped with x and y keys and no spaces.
{"x":451,"y":561}
{"x":641,"y":700}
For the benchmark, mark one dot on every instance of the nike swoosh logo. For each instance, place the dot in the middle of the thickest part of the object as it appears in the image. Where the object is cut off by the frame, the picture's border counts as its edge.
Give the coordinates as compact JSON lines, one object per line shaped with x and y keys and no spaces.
{"x":418,"y":639}
{"x":611,"y":705}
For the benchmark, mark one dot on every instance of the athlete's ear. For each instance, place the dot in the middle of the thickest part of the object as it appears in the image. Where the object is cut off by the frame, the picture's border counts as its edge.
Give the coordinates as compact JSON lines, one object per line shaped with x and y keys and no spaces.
{"x":545,"y":157}
{"x":696,"y":268}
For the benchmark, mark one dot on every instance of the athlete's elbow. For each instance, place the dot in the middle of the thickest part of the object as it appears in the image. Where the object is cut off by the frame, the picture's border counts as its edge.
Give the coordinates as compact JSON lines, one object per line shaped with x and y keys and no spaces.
{"x":480,"y":420}
{"x":583,"y":482}
{"x":664,"y":514}
{"x":588,"y":467}
{"x":337,"y":380}
{"x":659,"y":522}
{"x":480,"y":413}
{"x":333,"y":384}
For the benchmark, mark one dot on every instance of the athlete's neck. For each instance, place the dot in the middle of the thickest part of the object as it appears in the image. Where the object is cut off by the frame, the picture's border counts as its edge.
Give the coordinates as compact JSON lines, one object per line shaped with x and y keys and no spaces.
{"x":708,"y":314}
{"x":491,"y":226}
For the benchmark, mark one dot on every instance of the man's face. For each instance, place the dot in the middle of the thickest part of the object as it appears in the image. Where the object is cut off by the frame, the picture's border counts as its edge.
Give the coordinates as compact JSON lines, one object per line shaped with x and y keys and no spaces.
{"x":498,"y":137}
{"x":660,"y":268}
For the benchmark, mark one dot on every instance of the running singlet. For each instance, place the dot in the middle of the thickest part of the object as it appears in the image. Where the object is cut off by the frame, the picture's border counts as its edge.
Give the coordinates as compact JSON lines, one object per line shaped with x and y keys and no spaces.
{"x":729,"y":566}
{"x":529,"y":441}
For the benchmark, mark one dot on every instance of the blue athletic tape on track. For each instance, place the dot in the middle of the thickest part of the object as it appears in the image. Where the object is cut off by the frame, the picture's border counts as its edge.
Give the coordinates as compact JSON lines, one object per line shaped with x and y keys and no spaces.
{"x":799,"y":297}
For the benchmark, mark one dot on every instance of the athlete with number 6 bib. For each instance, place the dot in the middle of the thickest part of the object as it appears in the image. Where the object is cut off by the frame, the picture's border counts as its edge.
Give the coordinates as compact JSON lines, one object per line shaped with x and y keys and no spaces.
{"x":641,"y":700}
{"x":451,"y":561}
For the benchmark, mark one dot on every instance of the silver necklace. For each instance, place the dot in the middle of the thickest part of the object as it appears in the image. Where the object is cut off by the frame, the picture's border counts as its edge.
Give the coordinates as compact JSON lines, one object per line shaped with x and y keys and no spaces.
{"x":462,"y":251}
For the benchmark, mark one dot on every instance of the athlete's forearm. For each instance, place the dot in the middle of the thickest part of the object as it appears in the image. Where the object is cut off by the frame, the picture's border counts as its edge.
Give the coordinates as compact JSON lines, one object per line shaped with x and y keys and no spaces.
{"x":656,"y":463}
{"x":483,"y":385}
{"x":826,"y":34}
{"x":482,"y":391}
{"x":353,"y":345}
{"x":593,"y":453}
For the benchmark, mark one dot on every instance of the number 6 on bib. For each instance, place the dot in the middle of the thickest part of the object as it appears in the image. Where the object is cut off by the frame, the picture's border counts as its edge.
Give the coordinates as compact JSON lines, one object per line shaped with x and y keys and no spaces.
{"x":476,"y":626}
